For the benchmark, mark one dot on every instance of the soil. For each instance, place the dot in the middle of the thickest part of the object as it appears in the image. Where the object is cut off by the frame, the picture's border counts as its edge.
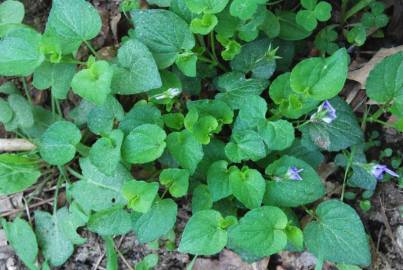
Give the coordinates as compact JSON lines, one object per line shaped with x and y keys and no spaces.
{"x":383,"y":221}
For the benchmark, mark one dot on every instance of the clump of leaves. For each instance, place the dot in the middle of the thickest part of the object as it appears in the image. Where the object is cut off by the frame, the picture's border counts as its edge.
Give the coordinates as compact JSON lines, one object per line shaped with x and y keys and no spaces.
{"x":223,"y":116}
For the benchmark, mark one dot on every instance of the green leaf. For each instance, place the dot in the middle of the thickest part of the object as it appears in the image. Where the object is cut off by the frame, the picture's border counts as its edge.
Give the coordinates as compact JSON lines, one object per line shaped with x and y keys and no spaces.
{"x":22,"y":113}
{"x":340,"y":134}
{"x":98,"y":191}
{"x":278,"y":135}
{"x":149,"y":262}
{"x":100,"y":120}
{"x":203,"y":234}
{"x":164,"y":33}
{"x":292,"y":105}
{"x":141,"y":113}
{"x":385,"y":81}
{"x":362,"y":178}
{"x":11,"y":12}
{"x":295,"y":237}
{"x":309,"y":4}
{"x":160,"y":3}
{"x":307,"y":151}
{"x":109,"y":222}
{"x":248,"y":186}
{"x":323,"y":11}
{"x":337,"y":235}
{"x":176,"y":181}
{"x":20,"y":52}
{"x":260,"y":232}
{"x":140,"y":195}
{"x":245,"y":145}
{"x":289,"y":28}
{"x":271,"y":24}
{"x":185,"y":149}
{"x":58,"y":143}
{"x":285,"y":192}
{"x":58,"y":77}
{"x":174,"y":120}
{"x":157,"y":222}
{"x":105,"y":152}
{"x":235,"y":88}
{"x":22,"y":238}
{"x":6,"y":113}
{"x":93,"y":84}
{"x":321,"y":78}
{"x":347,"y":267}
{"x":204,"y":25}
{"x":307,"y":19}
{"x":144,"y":144}
{"x":201,"y":198}
{"x":245,"y":9}
{"x":227,"y":24}
{"x":206,"y":6}
{"x":137,"y":71}
{"x":75,"y":20}
{"x":251,"y":113}
{"x":17,"y":173}
{"x":55,"y":244}
{"x":186,"y":62}
{"x":71,"y":219}
{"x":249,"y":30}
{"x":206,"y":117}
{"x":218,"y":180}
{"x":254,"y":58}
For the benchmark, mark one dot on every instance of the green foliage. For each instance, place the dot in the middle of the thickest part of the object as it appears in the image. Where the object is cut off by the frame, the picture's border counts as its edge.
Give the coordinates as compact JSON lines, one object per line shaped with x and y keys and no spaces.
{"x":342,"y":133}
{"x":139,"y":195}
{"x":204,"y":234}
{"x":337,"y":235}
{"x":247,"y":186}
{"x":164,"y":33}
{"x":20,"y":52}
{"x":17,"y":172}
{"x":326,"y":76}
{"x":27,"y":250}
{"x":176,"y":181}
{"x":93,"y":84}
{"x":136,"y":66}
{"x":388,"y":76}
{"x":157,"y":222}
{"x":144,"y":144}
{"x":58,"y":143}
{"x":224,"y":110}
{"x":284,"y":192}
{"x":259,"y":233}
{"x":109,"y":222}
{"x":185,"y":149}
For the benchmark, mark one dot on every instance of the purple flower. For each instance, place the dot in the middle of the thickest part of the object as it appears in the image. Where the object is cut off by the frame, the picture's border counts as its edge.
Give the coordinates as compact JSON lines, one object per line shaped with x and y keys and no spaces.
{"x":293,"y":173}
{"x":325,"y":113}
{"x":378,"y":171}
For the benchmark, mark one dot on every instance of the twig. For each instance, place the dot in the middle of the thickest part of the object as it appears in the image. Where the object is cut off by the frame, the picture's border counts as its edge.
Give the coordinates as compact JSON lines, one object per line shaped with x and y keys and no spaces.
{"x":96,"y":266}
{"x":124,"y":259}
{"x":16,"y":145}
{"x":12,"y":212}
{"x":389,"y":231}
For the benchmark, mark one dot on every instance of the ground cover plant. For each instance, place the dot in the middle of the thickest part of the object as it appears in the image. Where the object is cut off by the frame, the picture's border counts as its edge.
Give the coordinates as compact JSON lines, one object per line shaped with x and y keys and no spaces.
{"x":210,"y":105}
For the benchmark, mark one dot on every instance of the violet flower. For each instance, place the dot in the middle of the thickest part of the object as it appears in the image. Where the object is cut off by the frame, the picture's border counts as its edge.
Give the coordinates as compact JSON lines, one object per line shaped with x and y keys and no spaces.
{"x":293,"y":173}
{"x":378,"y":171}
{"x":325,"y":113}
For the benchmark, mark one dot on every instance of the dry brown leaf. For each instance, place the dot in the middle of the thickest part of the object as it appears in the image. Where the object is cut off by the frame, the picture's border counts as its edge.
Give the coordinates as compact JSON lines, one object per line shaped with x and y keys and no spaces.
{"x":360,"y":75}
{"x":229,"y":260}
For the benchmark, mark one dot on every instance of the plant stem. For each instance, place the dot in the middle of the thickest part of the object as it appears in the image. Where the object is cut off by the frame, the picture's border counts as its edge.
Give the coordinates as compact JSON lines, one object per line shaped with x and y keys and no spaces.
{"x":91,"y":49}
{"x":74,"y":173}
{"x":24,"y":84}
{"x":350,"y":161}
{"x":58,"y":183}
{"x":356,"y":8}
